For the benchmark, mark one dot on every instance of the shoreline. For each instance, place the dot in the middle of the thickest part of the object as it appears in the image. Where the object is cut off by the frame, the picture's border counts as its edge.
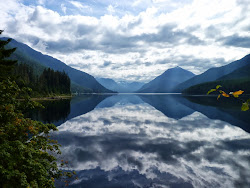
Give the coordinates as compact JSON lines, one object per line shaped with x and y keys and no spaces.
{"x":53,"y":98}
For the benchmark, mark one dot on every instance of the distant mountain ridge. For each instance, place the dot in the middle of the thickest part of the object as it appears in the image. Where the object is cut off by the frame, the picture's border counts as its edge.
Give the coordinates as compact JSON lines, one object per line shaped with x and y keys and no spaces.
{"x":171,"y":81}
{"x":121,"y":87}
{"x":78,"y":77}
{"x":108,"y":83}
{"x":131,"y":86}
{"x":215,"y":74}
{"x":167,"y":81}
{"x":240,"y":73}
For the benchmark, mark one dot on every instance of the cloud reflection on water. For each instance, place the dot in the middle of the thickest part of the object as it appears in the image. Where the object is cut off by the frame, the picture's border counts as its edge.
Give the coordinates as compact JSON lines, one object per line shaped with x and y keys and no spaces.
{"x":138,"y":146}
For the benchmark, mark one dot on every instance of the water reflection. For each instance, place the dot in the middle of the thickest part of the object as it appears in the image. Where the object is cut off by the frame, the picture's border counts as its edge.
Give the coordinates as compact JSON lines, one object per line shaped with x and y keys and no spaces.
{"x":129,"y":143}
{"x":170,"y":105}
{"x":55,"y":111}
{"x":225,"y":109}
{"x":59,"y":111}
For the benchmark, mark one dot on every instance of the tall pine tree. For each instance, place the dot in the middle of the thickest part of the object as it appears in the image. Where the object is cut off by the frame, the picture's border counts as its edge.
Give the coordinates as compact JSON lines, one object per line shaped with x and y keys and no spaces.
{"x":26,"y":150}
{"x":6,"y":65}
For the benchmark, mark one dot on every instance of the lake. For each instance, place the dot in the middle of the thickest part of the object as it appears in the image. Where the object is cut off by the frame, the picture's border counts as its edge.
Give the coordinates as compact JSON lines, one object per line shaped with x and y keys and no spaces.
{"x":152,"y":140}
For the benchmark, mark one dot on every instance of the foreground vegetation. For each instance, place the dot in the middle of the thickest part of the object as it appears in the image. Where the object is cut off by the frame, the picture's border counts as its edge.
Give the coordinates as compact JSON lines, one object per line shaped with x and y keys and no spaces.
{"x":24,"y":147}
{"x":235,"y":95}
{"x":27,"y":154}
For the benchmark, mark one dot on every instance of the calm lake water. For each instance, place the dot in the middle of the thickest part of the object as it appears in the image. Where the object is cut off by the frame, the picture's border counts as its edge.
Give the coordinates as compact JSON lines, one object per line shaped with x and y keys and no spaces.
{"x":153,"y":140}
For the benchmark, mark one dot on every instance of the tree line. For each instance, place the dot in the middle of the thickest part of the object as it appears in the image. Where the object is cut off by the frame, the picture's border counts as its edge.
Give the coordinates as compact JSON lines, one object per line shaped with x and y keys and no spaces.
{"x":50,"y":82}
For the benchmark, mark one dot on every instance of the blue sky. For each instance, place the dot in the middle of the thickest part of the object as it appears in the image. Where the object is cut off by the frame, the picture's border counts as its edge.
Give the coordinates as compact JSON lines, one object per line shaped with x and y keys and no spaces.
{"x":98,"y":8}
{"x":132,"y":40}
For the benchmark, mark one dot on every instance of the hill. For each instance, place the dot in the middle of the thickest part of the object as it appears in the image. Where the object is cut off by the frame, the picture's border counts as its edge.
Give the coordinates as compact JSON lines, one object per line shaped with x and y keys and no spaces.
{"x":167,"y":81}
{"x":241,"y":73}
{"x":214,"y":74}
{"x":227,"y":86}
{"x":36,"y":59}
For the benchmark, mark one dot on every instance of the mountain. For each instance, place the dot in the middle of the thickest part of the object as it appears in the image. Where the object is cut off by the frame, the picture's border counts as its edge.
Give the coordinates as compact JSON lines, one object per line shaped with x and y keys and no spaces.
{"x":28,"y":55}
{"x":131,"y":86}
{"x":109,"y":84}
{"x":227,"y":86}
{"x":121,"y":87}
{"x":167,"y":81}
{"x":214,"y":74}
{"x":241,"y":73}
{"x":238,"y":79}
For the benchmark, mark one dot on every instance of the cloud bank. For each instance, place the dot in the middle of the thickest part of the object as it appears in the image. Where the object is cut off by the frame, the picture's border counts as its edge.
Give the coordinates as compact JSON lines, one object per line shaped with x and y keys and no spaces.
{"x":132,"y":40}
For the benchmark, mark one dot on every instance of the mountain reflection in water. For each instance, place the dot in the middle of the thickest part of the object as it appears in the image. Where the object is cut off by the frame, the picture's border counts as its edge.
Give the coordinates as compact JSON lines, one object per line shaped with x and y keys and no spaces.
{"x":155,"y":141}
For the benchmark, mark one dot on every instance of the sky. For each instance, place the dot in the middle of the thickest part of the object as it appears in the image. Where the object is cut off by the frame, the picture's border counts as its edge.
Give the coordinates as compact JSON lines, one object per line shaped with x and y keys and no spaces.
{"x":132,"y":40}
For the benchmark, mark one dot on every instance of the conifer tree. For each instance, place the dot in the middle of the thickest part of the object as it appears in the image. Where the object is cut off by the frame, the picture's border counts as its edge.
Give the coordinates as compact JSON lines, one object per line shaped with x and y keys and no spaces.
{"x":6,"y":65}
{"x":24,"y":143}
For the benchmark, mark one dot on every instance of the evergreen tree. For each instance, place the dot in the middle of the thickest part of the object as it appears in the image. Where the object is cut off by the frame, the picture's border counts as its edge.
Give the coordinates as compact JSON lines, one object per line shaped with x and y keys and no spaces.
{"x":6,"y":65}
{"x":50,"y":82}
{"x":24,"y":143}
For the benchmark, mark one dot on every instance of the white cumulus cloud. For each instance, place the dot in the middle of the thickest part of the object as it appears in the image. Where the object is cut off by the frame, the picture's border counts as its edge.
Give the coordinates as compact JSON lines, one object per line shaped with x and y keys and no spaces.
{"x":141,"y":39}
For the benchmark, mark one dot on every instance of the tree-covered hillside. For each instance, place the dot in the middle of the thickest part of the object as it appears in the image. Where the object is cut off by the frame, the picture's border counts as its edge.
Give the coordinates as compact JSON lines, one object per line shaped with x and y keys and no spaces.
{"x":82,"y":81}
{"x":243,"y":72}
{"x":214,"y":74}
{"x":239,"y":79}
{"x":50,"y":82}
{"x":228,"y":86}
